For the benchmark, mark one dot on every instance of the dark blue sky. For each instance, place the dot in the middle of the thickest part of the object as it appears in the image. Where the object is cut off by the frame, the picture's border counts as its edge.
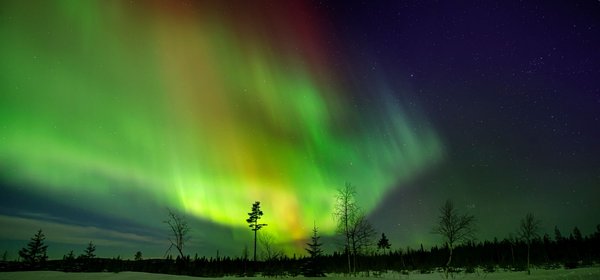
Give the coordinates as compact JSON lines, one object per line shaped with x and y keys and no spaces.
{"x":512,"y":87}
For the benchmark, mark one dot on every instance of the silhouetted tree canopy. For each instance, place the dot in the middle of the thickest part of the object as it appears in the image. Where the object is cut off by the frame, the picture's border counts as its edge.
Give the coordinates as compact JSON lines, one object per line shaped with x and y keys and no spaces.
{"x":138,"y":256}
{"x":454,"y":228}
{"x":383,"y":243}
{"x":346,"y":211}
{"x":253,"y":217}
{"x":35,"y":252}
{"x":527,"y":232}
{"x":557,"y":235}
{"x":88,"y":253}
{"x":313,"y":267}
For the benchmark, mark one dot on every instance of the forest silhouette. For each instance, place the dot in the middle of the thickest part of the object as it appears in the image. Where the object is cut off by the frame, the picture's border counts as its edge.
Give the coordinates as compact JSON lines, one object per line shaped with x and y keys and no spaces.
{"x":360,"y":252}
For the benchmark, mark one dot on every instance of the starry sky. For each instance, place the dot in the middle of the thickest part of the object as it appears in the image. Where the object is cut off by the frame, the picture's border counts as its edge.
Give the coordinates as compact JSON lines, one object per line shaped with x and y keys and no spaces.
{"x":112,"y":112}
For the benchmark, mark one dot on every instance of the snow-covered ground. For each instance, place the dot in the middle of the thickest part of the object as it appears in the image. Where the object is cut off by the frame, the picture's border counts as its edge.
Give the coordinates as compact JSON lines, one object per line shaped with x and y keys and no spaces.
{"x":591,"y":273}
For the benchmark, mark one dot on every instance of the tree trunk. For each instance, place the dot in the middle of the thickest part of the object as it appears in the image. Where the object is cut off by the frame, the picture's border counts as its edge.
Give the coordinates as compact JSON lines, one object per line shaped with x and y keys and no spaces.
{"x":354,"y":265}
{"x":402,"y":260}
{"x":512,"y":254}
{"x":255,"y":246}
{"x":180,"y":253}
{"x":354,"y":256}
{"x":348,"y":254}
{"x":347,"y":237}
{"x":449,"y":258}
{"x":447,"y":268}
{"x":528,"y":271}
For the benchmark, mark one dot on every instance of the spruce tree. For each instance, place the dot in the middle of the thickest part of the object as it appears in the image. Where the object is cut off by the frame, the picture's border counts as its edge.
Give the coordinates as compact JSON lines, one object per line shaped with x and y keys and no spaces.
{"x":69,"y":257}
{"x":35,"y":252}
{"x":577,"y":234}
{"x":557,"y":235}
{"x":68,"y":263}
{"x":89,"y":251}
{"x":383,"y":243}
{"x":313,"y":267}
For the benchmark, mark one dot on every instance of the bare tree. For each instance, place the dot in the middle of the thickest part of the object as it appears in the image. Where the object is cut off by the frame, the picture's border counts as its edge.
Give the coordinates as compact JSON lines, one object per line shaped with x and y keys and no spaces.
{"x":267,"y":244}
{"x":512,"y":241}
{"x":528,"y":231}
{"x":454,"y":228}
{"x":362,"y":236}
{"x":345,"y":212}
{"x":179,"y":232}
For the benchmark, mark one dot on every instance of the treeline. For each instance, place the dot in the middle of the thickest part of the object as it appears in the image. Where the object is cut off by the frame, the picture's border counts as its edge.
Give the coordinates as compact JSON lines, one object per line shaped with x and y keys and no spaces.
{"x":510,"y":254}
{"x":359,"y":251}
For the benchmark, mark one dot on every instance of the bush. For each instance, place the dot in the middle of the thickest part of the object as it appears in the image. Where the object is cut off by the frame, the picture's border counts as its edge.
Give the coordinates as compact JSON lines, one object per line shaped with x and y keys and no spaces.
{"x":489,"y":268}
{"x":570,"y":265}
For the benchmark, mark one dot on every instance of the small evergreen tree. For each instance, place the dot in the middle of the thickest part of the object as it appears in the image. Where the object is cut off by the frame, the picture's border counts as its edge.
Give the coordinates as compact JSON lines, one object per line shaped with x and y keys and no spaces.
{"x":577,"y":234}
{"x":5,"y":256}
{"x":35,"y":253}
{"x":69,"y":257}
{"x":68,"y":263}
{"x":313,"y":266}
{"x":557,"y":235}
{"x":138,"y":256}
{"x":314,"y":247}
{"x":89,"y":251}
{"x":383,"y":243}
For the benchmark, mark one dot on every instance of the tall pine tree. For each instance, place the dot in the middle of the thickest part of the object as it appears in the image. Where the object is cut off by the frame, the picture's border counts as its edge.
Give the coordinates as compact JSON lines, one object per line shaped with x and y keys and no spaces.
{"x":35,"y":252}
{"x":252,"y":220}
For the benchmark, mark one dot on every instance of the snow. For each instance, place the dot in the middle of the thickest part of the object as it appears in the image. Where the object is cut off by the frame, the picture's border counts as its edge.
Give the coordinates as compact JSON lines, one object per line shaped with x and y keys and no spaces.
{"x":537,"y":274}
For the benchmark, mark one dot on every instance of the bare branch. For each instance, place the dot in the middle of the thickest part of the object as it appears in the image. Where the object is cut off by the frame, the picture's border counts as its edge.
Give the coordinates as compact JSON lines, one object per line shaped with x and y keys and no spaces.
{"x":179,"y":232}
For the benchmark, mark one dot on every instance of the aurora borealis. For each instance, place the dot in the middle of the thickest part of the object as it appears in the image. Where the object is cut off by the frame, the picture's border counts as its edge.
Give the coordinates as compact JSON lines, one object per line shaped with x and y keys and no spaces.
{"x":113,"y":111}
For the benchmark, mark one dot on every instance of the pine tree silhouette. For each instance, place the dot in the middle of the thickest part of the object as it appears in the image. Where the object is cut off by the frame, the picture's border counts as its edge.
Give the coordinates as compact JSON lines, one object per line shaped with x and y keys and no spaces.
{"x":557,"y":235}
{"x":313,"y":266}
{"x":253,"y":218}
{"x":89,"y":251}
{"x":35,"y":252}
{"x":577,"y":234}
{"x":383,"y":243}
{"x":138,"y":256}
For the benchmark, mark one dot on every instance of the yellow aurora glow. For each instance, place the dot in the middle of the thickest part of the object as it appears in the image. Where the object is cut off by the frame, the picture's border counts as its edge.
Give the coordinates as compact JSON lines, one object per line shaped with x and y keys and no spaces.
{"x":207,"y":110}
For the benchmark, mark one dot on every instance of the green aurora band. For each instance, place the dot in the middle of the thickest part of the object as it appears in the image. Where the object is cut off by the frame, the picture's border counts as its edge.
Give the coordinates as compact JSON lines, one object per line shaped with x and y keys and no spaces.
{"x":205,"y":109}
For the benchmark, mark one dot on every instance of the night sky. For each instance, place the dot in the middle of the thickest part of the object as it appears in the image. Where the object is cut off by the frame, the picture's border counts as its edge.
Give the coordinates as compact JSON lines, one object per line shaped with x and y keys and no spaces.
{"x":113,"y":111}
